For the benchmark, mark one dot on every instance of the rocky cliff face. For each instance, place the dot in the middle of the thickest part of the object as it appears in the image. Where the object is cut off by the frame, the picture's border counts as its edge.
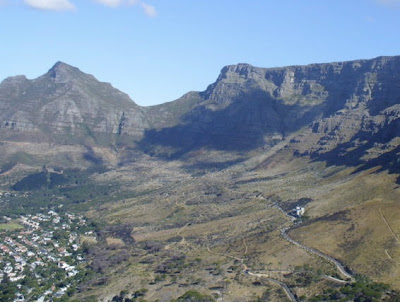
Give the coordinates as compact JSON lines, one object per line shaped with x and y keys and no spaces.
{"x":330,"y":111}
{"x":364,"y":129}
{"x":249,"y":107}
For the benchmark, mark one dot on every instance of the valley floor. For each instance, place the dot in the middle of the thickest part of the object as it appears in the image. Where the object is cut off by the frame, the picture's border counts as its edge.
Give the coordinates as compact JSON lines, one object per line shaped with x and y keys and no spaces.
{"x":223,"y":233}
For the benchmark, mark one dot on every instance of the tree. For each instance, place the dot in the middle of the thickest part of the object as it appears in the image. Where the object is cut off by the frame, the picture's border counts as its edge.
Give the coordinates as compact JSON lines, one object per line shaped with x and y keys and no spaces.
{"x":194,"y":296}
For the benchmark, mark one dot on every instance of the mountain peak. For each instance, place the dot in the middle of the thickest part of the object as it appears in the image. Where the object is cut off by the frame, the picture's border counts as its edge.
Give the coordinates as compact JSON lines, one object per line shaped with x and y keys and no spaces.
{"x":242,"y":70}
{"x":62,"y":72}
{"x":58,"y":66}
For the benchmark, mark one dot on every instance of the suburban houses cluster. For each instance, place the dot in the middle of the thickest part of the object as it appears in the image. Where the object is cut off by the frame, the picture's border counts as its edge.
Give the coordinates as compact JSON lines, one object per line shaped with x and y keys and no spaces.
{"x":42,"y":256}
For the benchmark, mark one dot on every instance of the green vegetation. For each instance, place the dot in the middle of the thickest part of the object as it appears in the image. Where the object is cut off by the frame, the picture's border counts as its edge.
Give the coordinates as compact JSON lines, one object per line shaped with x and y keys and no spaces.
{"x":35,"y":181}
{"x":363,"y":290}
{"x":194,"y":296}
{"x":136,"y":296}
{"x":7,"y":290}
{"x":7,"y":166}
{"x":10,"y":226}
{"x":14,"y":159}
{"x":73,"y":188}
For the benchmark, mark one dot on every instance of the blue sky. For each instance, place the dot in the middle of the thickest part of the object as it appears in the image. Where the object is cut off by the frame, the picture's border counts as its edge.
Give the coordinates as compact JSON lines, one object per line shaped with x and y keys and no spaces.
{"x":157,"y":50}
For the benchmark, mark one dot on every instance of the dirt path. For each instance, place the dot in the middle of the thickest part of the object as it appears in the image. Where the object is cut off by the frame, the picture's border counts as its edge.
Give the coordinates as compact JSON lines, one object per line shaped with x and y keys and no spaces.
{"x":391,"y":258}
{"x":389,"y":227}
{"x":225,"y":255}
{"x":245,"y":246}
{"x":180,"y":231}
{"x":183,"y":240}
{"x":182,"y":228}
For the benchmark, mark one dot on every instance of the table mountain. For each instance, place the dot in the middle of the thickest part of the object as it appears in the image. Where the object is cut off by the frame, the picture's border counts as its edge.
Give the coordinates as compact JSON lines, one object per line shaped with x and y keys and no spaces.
{"x":342,"y":108}
{"x":249,"y":108}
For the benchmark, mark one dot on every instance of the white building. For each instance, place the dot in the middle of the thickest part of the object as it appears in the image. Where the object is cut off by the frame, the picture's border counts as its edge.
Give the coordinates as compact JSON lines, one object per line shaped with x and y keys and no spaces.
{"x":300,"y":211}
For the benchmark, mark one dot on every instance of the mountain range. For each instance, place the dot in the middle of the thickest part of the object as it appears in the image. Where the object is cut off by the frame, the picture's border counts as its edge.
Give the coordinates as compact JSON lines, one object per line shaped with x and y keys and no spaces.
{"x":327,"y":108}
{"x":217,"y":172}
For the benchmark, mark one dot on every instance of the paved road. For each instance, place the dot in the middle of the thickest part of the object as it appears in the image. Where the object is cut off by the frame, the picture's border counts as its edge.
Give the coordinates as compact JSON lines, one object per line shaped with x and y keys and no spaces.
{"x":335,"y":279}
{"x":339,"y":266}
{"x":286,"y":289}
{"x":283,"y":285}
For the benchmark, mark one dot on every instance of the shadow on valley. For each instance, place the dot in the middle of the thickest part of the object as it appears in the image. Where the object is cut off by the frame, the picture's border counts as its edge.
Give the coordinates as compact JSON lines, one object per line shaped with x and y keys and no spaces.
{"x":386,"y":160}
{"x":204,"y":167}
{"x":252,"y":120}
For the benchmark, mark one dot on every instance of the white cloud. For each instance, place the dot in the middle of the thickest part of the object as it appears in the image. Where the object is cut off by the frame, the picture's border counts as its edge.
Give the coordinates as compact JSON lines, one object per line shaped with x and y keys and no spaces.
{"x":149,"y":10}
{"x":117,"y":3}
{"x":110,"y":3}
{"x":65,"y":5}
{"x":56,"y":5}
